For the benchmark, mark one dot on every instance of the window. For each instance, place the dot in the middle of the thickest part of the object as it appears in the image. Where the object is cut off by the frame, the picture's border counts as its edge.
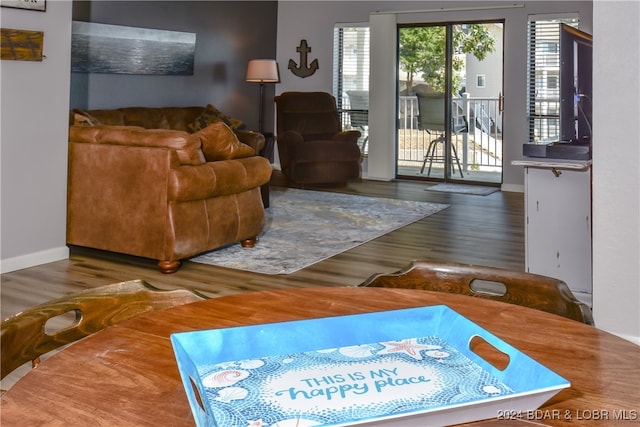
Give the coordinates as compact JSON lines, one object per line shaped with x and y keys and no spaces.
{"x":351,"y":78}
{"x":350,"y":61}
{"x":543,"y":70}
{"x":480,"y":80}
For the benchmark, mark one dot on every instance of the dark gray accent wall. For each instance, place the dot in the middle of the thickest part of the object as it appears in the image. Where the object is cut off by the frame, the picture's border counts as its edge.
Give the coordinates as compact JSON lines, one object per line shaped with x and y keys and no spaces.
{"x":228,"y":35}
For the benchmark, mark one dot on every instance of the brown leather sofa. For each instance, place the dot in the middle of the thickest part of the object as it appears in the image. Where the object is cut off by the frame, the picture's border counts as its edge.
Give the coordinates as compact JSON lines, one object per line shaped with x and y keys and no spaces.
{"x":312,"y":146}
{"x":151,"y":182}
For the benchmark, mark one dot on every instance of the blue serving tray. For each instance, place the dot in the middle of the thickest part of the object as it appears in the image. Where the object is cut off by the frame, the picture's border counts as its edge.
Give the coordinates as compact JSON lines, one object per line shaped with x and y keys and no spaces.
{"x":402,"y":368}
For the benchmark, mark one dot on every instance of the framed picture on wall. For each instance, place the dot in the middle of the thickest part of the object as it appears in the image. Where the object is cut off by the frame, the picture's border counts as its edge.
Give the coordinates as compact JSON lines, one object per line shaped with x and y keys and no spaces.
{"x":39,"y":5}
{"x":21,"y":45}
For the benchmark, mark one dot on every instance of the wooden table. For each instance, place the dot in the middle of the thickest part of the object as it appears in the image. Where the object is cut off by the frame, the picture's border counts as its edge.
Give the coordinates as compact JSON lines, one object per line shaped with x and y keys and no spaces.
{"x":126,"y":375}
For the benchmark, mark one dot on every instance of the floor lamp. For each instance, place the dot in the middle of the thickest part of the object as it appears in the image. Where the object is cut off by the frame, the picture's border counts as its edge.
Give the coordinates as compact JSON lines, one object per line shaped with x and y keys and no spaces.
{"x":262,"y":71}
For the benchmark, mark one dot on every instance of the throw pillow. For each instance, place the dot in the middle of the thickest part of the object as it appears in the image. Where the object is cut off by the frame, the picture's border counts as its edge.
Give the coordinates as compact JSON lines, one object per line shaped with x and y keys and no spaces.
{"x":82,"y":118}
{"x":219,"y":142}
{"x":212,"y":115}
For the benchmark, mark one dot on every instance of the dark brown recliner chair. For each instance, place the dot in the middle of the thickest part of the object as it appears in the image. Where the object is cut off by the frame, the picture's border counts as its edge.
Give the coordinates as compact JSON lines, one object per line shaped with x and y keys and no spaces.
{"x":313,"y":148}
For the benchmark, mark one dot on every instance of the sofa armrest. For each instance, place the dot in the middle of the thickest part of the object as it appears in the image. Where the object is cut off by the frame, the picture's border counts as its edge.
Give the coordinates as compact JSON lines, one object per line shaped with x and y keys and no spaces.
{"x":117,"y":197}
{"x":186,"y":146}
{"x":254,"y":140}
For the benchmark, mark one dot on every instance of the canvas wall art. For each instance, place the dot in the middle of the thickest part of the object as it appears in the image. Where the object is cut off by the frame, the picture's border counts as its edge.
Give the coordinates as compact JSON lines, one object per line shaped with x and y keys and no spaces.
{"x":39,"y":5}
{"x":116,"y":49}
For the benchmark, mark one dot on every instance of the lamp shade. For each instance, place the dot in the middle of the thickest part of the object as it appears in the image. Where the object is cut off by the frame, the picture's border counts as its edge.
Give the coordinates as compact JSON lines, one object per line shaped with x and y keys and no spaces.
{"x":262,"y":71}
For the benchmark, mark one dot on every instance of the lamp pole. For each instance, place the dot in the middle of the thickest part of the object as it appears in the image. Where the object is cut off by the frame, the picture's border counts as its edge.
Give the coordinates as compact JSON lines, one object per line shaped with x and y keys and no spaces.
{"x":262,"y":71}
{"x":261,"y":112}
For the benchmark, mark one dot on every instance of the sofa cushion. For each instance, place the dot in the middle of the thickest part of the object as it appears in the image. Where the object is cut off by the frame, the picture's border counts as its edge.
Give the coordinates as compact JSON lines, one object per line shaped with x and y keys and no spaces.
{"x":212,"y":115}
{"x":180,"y":118}
{"x":150,"y":118}
{"x":187,"y":146}
{"x":219,"y":142}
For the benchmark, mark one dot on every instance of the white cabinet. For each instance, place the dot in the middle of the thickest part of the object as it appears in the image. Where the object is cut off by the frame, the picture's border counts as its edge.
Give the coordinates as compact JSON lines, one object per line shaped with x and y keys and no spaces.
{"x":558,"y":222}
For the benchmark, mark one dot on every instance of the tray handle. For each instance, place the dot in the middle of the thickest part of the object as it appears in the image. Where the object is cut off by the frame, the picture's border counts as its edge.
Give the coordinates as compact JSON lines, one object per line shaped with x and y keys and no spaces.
{"x":489,"y":353}
{"x":192,"y":385}
{"x":196,"y":401}
{"x":499,"y":358}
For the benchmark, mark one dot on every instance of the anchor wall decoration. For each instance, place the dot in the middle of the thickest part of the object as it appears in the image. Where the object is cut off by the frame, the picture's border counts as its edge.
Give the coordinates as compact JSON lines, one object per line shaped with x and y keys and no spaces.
{"x":303,"y":70}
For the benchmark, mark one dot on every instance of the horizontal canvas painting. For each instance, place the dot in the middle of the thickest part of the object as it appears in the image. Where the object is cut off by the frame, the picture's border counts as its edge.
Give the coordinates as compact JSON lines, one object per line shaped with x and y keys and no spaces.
{"x":115,"y":49}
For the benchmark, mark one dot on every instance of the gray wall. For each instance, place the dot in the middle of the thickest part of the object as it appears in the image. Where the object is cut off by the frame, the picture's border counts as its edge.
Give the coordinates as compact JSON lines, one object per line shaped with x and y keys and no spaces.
{"x":228,"y":35}
{"x":36,"y":100}
{"x":33,"y":142}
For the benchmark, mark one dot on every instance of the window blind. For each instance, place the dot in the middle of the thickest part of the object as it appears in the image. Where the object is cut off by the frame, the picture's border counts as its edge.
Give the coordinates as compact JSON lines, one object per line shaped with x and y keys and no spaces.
{"x":543,"y":75}
{"x":350,"y":61}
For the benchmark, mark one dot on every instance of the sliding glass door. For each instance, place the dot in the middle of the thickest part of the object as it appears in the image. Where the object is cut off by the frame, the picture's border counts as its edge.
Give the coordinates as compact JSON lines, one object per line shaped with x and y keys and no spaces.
{"x":449,"y":102}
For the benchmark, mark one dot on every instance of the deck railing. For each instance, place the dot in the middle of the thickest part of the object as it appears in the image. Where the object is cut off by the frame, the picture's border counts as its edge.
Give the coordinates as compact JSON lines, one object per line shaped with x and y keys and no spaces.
{"x":479,"y":146}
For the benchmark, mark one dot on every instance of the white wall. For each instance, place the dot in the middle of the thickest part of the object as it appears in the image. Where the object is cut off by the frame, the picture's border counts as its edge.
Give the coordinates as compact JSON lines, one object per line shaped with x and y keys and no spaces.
{"x":33,"y":142}
{"x":383,"y":77}
{"x":616,"y":165}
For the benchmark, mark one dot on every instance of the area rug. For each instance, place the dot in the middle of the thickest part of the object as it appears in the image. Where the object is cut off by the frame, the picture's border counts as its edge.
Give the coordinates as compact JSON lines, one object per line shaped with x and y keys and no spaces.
{"x":477,"y":190}
{"x":304,"y":227}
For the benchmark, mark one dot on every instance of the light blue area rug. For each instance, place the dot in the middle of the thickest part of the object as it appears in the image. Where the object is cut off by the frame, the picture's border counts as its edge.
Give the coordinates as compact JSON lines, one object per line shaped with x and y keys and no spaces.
{"x":304,"y":227}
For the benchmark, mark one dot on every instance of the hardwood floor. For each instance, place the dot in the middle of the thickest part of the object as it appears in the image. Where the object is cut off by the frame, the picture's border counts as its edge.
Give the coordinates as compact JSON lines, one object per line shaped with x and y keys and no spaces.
{"x":485,"y":230}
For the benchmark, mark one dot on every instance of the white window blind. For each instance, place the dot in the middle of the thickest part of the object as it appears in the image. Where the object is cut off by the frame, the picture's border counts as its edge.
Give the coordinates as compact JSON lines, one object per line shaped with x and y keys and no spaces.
{"x":543,"y":71}
{"x":350,"y":61}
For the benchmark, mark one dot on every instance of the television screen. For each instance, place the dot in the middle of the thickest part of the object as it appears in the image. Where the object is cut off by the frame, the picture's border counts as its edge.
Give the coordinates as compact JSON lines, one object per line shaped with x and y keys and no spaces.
{"x":576,"y":64}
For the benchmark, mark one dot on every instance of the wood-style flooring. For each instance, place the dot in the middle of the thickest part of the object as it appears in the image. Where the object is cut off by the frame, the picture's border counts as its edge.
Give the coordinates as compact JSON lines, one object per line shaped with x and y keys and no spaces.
{"x":485,"y":230}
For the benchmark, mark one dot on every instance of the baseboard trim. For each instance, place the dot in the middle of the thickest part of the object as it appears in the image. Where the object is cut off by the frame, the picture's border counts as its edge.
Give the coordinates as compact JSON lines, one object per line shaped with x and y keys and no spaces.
{"x":33,"y":259}
{"x":377,"y":178}
{"x":633,"y":339}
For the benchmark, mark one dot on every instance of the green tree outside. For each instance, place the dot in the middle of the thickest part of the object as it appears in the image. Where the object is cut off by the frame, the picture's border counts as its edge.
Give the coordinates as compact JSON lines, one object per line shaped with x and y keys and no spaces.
{"x":422,"y":49}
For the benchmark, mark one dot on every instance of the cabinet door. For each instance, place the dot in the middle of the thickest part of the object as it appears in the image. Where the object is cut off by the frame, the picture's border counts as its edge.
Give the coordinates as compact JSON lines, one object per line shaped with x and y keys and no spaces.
{"x":558,"y":226}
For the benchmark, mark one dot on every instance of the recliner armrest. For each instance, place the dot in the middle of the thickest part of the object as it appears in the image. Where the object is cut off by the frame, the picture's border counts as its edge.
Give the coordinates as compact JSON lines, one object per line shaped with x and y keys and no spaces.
{"x":347,"y":135}
{"x":290,"y":136}
{"x":286,"y":145}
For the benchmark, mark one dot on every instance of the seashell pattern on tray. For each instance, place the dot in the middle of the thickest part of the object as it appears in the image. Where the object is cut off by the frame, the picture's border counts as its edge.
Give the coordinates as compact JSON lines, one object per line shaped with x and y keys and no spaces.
{"x":346,"y":384}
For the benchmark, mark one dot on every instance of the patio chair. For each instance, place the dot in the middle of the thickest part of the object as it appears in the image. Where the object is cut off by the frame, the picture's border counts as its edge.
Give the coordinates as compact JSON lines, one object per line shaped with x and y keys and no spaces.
{"x":359,"y":113}
{"x":431,"y":119}
{"x":25,"y":337}
{"x":513,"y":287}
